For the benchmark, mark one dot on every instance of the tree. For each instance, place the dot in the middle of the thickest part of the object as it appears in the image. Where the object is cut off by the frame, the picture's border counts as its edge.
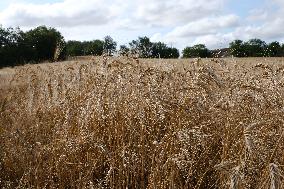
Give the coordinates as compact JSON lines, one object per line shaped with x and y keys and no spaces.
{"x":255,"y":48}
{"x":74,"y":48}
{"x":95,"y":47}
{"x":161,"y":50}
{"x":124,"y":50}
{"x":274,"y":49}
{"x":109,"y":45}
{"x":142,"y":47}
{"x":196,"y":51}
{"x":13,"y":50}
{"x":173,"y":52}
{"x":78,"y":48}
{"x":44,"y":42}
{"x":41,"y":43}
{"x":237,"y":48}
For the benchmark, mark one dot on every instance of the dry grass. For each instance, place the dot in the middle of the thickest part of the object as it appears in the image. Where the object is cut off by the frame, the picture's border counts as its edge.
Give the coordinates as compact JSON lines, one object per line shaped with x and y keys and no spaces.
{"x":124,"y":123}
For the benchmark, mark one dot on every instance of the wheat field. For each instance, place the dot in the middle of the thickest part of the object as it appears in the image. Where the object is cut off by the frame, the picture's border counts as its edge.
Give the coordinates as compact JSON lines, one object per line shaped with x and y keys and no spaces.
{"x":128,"y":123}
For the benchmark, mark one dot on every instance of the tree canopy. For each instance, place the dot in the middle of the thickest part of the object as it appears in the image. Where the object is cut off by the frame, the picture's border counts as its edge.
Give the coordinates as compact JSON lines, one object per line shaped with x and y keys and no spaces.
{"x":144,"y":48}
{"x":256,"y":48}
{"x":199,"y":50}
{"x":78,"y":48}
{"x":124,"y":50}
{"x":109,"y":46}
{"x":41,"y":43}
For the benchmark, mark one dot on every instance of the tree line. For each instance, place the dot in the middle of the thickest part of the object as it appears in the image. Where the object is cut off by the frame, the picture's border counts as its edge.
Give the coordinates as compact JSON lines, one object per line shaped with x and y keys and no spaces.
{"x":256,"y":48}
{"x":48,"y":44}
{"x":141,"y":47}
{"x":36,"y":45}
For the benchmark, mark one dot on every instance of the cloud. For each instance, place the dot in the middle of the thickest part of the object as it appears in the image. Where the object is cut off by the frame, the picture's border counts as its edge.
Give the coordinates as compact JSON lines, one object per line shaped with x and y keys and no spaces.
{"x":69,"y":13}
{"x":212,"y":41}
{"x":172,"y":13}
{"x":268,"y":31}
{"x":127,"y":13}
{"x":205,"y":26}
{"x":204,"y":31}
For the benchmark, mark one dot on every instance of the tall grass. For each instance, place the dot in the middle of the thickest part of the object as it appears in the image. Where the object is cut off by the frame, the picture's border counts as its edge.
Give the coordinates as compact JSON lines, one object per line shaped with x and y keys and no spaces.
{"x":127,"y":123}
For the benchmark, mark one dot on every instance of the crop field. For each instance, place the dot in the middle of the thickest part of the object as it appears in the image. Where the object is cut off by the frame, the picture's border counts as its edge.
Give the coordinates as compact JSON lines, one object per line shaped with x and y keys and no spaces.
{"x":128,"y":123}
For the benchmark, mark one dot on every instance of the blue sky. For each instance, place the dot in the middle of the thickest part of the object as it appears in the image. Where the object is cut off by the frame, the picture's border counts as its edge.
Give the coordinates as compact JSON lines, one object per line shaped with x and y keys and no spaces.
{"x":242,"y":7}
{"x":180,"y":23}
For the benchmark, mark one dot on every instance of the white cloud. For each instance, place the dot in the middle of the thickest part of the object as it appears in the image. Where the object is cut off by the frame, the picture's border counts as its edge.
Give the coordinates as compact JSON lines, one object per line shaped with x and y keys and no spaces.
{"x":212,"y":41}
{"x":204,"y":31}
{"x":126,"y":13}
{"x":205,"y":26}
{"x":172,"y":13}
{"x":68,"y":13}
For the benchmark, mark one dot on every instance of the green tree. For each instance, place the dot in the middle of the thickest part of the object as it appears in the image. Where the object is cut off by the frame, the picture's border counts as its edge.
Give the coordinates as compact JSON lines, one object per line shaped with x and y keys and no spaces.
{"x":274,"y":49}
{"x":255,"y":48}
{"x":161,"y":50}
{"x":109,"y":45}
{"x":95,"y":47}
{"x":237,"y":48}
{"x":123,"y":50}
{"x":13,"y":49}
{"x":74,"y":48}
{"x":282,"y":50}
{"x":196,"y":51}
{"x":78,"y":48}
{"x":142,"y":47}
{"x":172,"y":52}
{"x":44,"y":42}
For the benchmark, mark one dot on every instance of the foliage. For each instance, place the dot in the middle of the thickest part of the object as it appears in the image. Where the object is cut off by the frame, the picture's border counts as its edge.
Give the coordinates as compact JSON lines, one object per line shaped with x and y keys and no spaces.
{"x":274,"y":49}
{"x":41,"y":43}
{"x":124,"y":50}
{"x":94,"y":47}
{"x":255,"y":48}
{"x":109,"y":46}
{"x":78,"y":48}
{"x":44,"y":42}
{"x":172,"y":52}
{"x":144,"y":48}
{"x":197,"y":51}
{"x":161,"y":50}
{"x":237,"y":48}
{"x":74,"y":48}
{"x":141,"y":47}
{"x":13,"y":49}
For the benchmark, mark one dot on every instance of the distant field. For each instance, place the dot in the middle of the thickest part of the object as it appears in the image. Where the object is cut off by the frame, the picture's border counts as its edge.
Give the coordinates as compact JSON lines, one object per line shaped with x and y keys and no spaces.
{"x":126,"y":123}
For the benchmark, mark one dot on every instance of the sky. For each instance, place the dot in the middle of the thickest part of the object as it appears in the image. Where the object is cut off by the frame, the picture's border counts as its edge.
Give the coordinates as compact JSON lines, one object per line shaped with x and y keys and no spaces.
{"x":178,"y":23}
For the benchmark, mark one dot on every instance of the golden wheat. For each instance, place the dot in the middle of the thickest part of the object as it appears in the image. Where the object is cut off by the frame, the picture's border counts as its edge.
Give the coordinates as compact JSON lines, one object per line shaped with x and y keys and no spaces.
{"x":128,"y":123}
